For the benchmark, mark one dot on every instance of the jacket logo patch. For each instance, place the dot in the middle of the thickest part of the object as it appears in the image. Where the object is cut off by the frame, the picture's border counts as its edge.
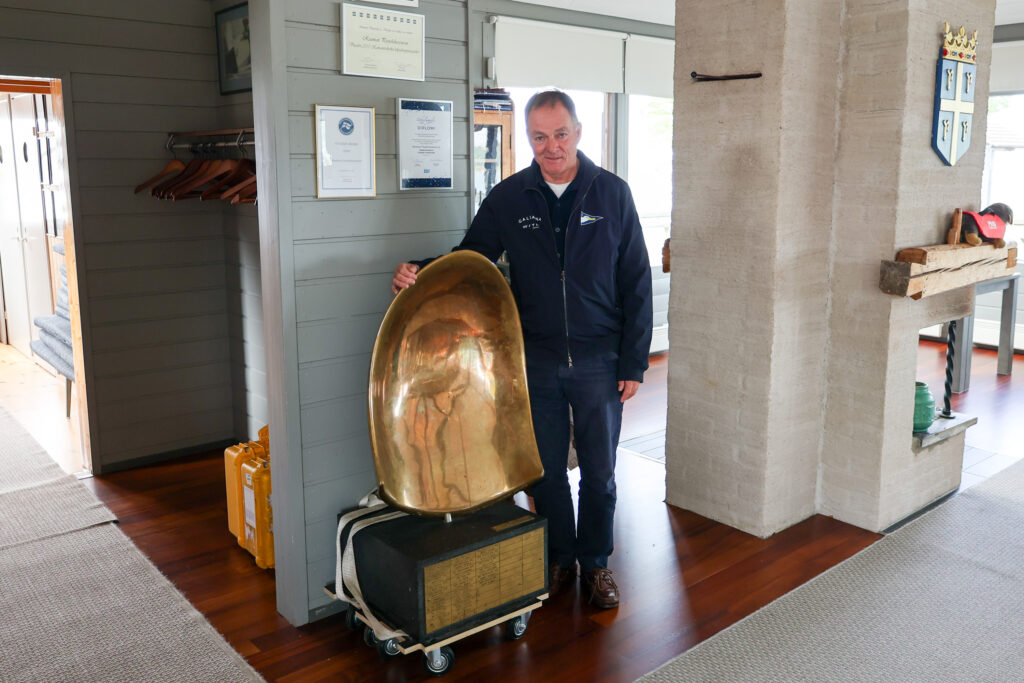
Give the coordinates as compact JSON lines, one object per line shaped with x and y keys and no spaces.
{"x":528,"y":222}
{"x":587,"y":219}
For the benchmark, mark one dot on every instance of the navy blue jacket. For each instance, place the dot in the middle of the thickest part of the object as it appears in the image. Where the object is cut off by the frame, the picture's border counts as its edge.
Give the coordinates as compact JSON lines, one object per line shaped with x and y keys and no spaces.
{"x":600,"y":307}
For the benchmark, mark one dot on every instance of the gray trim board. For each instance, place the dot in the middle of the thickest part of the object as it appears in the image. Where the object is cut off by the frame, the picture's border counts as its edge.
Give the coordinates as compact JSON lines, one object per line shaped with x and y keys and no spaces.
{"x":270,"y":114}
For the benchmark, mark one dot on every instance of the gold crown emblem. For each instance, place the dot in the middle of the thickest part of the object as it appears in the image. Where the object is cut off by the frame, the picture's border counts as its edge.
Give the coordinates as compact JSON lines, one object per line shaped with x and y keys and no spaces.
{"x":959,"y":46}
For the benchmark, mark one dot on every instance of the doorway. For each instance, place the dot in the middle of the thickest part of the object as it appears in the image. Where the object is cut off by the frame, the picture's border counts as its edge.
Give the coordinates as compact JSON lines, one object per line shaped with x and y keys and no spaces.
{"x":40,"y":325}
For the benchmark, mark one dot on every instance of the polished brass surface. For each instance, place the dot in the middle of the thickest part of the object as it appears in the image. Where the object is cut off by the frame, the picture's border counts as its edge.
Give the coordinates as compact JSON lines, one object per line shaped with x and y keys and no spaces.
{"x":449,"y":411}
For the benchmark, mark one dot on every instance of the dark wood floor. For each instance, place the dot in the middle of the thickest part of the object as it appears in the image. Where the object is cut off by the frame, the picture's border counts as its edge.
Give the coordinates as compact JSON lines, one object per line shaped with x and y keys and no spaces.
{"x":683,"y":577}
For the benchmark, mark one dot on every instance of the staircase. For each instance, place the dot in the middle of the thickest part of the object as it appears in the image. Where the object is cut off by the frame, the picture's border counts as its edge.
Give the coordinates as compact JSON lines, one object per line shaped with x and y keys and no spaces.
{"x":54,"y":343}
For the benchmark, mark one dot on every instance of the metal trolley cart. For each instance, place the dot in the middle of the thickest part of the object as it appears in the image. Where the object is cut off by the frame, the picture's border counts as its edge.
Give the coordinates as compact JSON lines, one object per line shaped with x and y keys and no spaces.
{"x":452,"y":436}
{"x":418,"y":584}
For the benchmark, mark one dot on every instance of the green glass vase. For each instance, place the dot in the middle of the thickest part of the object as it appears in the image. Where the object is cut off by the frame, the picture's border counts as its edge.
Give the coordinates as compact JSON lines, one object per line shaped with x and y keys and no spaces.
{"x":924,"y":407}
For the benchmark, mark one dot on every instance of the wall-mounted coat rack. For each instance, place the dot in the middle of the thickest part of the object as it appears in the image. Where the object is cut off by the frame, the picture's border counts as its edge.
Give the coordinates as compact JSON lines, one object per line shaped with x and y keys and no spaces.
{"x":218,"y":169}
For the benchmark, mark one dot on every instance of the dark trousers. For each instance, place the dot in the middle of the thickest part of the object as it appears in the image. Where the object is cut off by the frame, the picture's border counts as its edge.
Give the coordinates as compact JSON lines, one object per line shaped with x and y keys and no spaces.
{"x":591,"y":389}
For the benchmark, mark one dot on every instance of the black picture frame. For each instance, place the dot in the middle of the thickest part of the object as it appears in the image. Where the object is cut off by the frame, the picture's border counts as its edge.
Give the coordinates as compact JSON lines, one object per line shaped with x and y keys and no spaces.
{"x":234,"y":58}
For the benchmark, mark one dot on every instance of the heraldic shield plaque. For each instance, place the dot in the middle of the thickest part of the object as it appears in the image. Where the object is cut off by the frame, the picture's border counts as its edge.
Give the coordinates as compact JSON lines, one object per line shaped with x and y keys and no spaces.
{"x":954,"y":95}
{"x":449,"y":411}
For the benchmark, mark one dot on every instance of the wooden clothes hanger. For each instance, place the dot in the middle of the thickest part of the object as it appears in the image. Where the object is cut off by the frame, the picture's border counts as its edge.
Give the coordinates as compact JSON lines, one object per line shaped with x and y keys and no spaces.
{"x":246,"y":169}
{"x":218,"y":168}
{"x":172,"y":166}
{"x":233,"y":191}
{"x":190,"y":169}
{"x":247,"y":194}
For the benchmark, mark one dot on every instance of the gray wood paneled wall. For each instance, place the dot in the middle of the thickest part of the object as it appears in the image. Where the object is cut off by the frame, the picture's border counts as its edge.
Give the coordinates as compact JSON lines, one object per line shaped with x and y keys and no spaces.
{"x":332,"y":260}
{"x":152,"y":273}
{"x":172,"y":304}
{"x":345,"y":250}
{"x":244,"y":291}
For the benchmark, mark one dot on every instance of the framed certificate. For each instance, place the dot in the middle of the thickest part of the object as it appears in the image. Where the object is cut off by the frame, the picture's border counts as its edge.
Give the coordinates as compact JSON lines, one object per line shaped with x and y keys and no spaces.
{"x":382,"y":43}
{"x":345,"y":150}
{"x":424,"y":144}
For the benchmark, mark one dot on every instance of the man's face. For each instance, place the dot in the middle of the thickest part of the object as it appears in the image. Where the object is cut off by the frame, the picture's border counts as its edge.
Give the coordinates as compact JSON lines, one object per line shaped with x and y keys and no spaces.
{"x":554,"y":137}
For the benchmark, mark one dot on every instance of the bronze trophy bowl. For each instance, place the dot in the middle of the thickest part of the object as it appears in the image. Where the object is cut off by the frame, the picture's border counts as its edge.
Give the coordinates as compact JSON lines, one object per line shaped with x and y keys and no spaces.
{"x":449,"y":411}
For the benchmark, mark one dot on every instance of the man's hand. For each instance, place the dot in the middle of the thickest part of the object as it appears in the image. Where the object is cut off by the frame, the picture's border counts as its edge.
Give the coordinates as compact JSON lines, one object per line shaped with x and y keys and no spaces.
{"x":627,"y":388}
{"x":405,"y":276}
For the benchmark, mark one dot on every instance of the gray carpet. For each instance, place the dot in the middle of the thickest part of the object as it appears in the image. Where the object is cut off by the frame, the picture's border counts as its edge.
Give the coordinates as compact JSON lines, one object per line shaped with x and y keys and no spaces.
{"x":78,"y":601}
{"x":87,"y":606}
{"x":48,"y":509}
{"x":24,"y":461}
{"x":942,"y":599}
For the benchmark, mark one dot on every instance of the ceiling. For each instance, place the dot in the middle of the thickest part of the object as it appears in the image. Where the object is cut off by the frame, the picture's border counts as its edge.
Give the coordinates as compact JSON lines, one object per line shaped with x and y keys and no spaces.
{"x":663,"y":11}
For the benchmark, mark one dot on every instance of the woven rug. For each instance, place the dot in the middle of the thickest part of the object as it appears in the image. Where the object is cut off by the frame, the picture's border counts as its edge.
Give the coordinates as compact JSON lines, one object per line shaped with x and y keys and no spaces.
{"x":941,"y":599}
{"x":48,"y":509}
{"x":37,"y":499}
{"x":78,"y":600}
{"x":23,"y":462}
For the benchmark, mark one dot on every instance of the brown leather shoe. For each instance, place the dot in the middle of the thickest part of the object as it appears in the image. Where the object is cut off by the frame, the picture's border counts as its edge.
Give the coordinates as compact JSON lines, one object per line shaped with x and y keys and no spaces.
{"x":559,"y":578}
{"x":600,"y":589}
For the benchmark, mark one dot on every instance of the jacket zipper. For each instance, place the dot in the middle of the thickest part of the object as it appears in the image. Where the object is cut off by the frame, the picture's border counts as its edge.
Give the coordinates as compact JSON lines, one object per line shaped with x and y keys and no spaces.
{"x":565,"y":296}
{"x":565,"y":310}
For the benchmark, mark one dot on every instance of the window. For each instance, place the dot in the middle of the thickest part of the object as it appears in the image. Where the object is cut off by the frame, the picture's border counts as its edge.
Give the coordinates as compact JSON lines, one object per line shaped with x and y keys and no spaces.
{"x":650,"y":168}
{"x":1003,"y":179}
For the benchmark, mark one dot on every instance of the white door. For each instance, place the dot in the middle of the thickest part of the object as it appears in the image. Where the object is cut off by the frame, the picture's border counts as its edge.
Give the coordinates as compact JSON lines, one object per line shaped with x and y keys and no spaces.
{"x":12,"y":263}
{"x":30,"y":194}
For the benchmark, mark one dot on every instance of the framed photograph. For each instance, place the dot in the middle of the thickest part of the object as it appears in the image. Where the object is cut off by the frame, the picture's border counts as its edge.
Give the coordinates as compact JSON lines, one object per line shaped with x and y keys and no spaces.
{"x":382,"y":43}
{"x":424,"y":144}
{"x":345,"y":152}
{"x":234,"y":57}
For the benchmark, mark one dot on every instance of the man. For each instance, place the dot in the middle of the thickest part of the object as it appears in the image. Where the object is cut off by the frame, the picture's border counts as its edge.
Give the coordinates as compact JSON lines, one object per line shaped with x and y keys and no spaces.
{"x":581,"y":279}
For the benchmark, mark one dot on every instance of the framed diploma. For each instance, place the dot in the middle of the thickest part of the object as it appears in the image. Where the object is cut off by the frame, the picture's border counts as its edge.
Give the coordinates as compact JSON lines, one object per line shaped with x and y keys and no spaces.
{"x":424,"y":144}
{"x":382,"y":43}
{"x":345,"y":150}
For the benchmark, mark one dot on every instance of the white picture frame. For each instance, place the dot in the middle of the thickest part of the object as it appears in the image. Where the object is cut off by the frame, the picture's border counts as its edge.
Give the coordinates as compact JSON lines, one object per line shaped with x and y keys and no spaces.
{"x":425,"y":144}
{"x":345,"y":151}
{"x":382,"y":43}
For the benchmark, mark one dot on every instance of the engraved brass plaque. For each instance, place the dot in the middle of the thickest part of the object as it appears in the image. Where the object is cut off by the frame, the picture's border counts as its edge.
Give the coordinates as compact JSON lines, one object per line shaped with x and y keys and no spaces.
{"x":449,"y":410}
{"x":474,"y":582}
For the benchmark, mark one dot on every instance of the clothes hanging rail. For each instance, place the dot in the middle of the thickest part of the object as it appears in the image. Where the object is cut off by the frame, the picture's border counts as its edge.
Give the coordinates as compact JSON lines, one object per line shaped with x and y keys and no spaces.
{"x":200,"y":139}
{"x":207,"y":175}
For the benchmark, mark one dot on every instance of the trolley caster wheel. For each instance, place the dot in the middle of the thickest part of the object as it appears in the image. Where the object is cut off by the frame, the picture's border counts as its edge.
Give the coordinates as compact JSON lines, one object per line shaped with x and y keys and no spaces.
{"x":388,"y":649}
{"x":516,"y":627}
{"x":369,"y":638}
{"x":437,"y":662}
{"x":351,"y":621}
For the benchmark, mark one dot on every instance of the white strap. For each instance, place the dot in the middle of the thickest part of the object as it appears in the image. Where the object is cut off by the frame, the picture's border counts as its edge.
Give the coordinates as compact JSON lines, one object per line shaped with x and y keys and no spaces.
{"x":345,"y":576}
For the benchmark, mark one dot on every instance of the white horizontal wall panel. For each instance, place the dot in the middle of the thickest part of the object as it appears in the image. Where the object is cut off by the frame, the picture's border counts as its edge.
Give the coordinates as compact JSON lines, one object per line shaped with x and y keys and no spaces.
{"x":538,"y":54}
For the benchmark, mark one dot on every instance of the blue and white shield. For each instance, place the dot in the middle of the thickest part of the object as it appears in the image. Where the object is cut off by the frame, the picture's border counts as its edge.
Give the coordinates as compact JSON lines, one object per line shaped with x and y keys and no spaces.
{"x":954,"y":109}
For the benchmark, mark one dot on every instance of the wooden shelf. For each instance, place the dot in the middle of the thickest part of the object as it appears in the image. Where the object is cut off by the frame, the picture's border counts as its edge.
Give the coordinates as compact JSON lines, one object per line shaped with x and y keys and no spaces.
{"x":923,"y":271}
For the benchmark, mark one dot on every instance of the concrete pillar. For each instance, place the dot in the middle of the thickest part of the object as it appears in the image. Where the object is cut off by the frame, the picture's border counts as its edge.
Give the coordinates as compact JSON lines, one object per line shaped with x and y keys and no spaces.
{"x":892,"y":192}
{"x":791,"y":374}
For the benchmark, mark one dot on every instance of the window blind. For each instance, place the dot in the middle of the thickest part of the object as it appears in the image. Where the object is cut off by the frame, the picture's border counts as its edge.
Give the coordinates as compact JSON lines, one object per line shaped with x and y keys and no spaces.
{"x":649,"y":66}
{"x":1007,"y":68}
{"x":535,"y":54}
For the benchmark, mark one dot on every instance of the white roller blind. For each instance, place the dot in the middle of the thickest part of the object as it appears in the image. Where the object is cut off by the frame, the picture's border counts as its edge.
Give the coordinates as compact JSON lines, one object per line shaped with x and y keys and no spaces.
{"x":649,"y":64}
{"x":1007,"y":68}
{"x":533,"y":54}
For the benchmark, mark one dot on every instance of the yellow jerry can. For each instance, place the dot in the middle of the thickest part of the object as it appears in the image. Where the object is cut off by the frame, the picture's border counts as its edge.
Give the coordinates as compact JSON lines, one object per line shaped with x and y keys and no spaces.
{"x":258,"y":516}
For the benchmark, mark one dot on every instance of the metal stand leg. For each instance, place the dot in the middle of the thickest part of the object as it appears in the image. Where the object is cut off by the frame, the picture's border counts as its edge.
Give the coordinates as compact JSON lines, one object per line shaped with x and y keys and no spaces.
{"x":1007,"y":323}
{"x":947,"y":411}
{"x":964,"y":341}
